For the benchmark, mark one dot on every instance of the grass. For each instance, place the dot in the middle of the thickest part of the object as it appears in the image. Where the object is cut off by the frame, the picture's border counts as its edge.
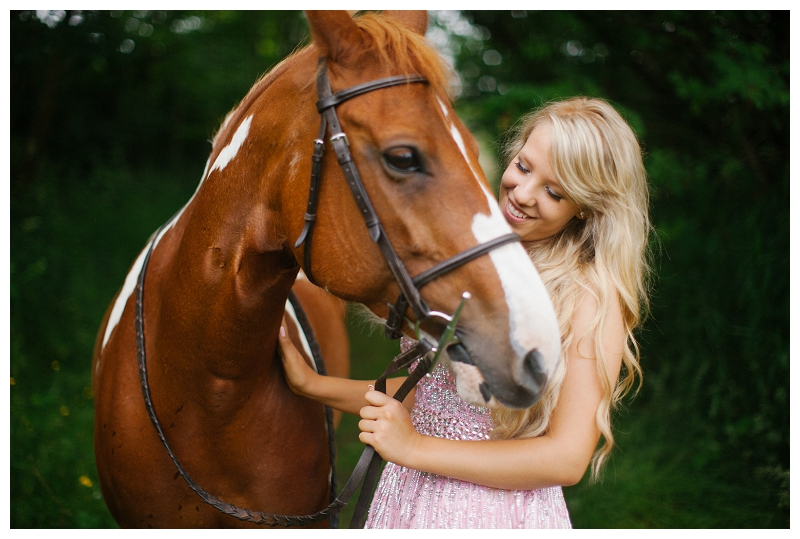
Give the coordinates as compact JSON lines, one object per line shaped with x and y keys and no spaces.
{"x":72,"y":240}
{"x":653,"y":482}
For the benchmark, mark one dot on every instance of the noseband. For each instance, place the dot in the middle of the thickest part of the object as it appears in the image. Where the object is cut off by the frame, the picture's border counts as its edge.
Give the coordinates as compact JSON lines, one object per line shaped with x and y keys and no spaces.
{"x":409,"y":287}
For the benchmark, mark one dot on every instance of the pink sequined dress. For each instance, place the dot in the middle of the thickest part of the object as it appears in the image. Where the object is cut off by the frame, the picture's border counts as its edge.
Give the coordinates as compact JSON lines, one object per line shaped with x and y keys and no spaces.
{"x":407,"y":498}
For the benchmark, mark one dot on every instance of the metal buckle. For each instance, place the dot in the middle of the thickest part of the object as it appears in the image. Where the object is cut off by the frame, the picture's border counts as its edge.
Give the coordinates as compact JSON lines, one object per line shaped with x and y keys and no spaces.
{"x":342,"y":136}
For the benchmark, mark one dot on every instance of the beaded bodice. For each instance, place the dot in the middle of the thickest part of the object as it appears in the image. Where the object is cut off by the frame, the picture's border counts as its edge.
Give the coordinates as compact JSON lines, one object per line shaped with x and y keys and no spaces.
{"x":439,"y":411}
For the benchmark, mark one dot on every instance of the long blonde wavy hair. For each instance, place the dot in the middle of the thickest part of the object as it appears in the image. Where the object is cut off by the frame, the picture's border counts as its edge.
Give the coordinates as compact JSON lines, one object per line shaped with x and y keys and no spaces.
{"x":598,"y":162}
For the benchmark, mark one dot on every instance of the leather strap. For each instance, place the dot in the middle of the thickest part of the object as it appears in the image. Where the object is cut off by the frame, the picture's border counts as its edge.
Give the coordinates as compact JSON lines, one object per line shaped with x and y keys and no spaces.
{"x":313,"y":195}
{"x":394,"y":321}
{"x":342,"y":148}
{"x":420,"y":349}
{"x":330,"y":101}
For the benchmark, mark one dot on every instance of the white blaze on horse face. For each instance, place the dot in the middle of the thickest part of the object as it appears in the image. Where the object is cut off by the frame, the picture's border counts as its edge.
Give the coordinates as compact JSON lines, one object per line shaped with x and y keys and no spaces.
{"x":229,"y":152}
{"x":456,"y":134}
{"x":532,"y":321}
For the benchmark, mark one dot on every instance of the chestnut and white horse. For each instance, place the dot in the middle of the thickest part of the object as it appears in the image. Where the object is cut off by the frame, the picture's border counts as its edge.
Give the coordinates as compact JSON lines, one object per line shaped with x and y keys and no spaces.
{"x":220,"y":272}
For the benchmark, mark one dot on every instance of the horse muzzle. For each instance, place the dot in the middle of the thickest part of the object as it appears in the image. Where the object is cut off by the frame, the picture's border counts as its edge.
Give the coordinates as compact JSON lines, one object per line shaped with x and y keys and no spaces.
{"x":523,"y":390}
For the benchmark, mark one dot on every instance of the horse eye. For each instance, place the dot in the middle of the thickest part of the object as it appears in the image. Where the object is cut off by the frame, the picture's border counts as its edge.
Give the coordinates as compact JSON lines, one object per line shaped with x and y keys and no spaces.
{"x":403,"y":159}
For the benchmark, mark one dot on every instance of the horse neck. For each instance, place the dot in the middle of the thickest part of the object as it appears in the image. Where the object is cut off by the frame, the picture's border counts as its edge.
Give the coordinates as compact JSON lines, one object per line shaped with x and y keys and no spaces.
{"x":233,"y":260}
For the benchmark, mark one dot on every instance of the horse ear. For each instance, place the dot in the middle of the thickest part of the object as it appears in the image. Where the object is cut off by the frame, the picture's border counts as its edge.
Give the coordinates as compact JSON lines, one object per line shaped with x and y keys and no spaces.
{"x":335,"y":34}
{"x":416,"y":20}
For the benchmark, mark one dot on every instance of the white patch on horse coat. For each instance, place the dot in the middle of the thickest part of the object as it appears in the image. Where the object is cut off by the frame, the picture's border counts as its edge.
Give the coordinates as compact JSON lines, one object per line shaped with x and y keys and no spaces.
{"x":229,"y":152}
{"x":124,"y":294}
{"x":456,"y":134}
{"x":532,"y":321}
{"x":303,"y":339}
{"x":225,"y":156}
{"x":130,"y":280}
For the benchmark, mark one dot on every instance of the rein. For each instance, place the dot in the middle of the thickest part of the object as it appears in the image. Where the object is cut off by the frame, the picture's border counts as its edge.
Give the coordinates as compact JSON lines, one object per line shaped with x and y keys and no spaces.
{"x":368,"y":465}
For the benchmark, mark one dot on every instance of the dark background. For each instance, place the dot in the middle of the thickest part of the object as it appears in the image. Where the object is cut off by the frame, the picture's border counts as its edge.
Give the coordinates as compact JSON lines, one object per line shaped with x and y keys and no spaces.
{"x":110,"y":120}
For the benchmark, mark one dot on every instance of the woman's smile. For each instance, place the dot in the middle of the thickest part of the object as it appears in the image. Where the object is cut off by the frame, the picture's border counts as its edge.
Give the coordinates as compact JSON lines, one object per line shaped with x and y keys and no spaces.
{"x":515,"y":213}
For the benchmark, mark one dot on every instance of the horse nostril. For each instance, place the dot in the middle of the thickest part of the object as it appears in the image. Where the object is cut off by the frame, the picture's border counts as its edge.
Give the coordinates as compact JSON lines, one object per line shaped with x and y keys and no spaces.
{"x":534,"y":366}
{"x":458,"y":353}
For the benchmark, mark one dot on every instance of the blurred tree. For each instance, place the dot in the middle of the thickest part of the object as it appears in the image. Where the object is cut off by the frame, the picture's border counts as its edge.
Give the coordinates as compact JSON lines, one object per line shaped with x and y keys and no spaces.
{"x":140,"y":87}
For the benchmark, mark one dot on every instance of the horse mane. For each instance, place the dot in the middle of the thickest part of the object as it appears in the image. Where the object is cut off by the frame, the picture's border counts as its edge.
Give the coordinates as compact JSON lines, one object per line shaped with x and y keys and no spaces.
{"x":397,"y":46}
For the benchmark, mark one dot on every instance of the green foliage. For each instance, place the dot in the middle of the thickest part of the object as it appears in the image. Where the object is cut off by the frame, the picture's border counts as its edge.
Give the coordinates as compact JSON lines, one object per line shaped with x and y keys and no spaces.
{"x":149,"y":87}
{"x":109,"y":140}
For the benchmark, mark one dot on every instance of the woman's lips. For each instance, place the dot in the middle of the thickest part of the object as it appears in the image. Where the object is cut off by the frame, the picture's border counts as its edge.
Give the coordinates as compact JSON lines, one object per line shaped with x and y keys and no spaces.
{"x":515,"y":213}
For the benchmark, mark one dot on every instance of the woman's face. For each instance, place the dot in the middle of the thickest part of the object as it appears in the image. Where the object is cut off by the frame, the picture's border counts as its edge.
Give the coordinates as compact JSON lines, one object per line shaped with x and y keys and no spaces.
{"x":532,"y":200}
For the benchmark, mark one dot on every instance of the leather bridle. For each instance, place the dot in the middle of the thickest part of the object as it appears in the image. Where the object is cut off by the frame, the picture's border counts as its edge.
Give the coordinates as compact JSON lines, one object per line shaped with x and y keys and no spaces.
{"x":368,"y":465}
{"x":409,"y":288}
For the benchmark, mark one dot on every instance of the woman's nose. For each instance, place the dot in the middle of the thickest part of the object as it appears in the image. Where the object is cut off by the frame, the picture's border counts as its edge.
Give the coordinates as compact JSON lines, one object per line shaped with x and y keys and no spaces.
{"x":523,"y":195}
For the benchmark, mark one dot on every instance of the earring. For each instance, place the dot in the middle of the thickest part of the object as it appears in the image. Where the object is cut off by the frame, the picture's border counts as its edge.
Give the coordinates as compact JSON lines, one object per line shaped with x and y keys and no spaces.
{"x":582,"y":215}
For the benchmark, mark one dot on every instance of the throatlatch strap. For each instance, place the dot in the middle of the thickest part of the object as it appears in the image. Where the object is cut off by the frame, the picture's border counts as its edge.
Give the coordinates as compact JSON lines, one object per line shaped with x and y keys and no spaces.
{"x":313,"y":195}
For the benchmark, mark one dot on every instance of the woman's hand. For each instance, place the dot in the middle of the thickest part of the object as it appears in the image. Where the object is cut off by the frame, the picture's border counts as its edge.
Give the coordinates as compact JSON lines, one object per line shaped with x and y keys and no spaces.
{"x":386,"y":426}
{"x":299,"y":374}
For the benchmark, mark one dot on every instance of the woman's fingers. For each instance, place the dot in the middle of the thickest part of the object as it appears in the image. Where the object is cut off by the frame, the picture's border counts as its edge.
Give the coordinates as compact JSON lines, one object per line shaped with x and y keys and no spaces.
{"x":376,"y":398}
{"x":298,"y":372}
{"x":367,"y":425}
{"x":386,"y":426}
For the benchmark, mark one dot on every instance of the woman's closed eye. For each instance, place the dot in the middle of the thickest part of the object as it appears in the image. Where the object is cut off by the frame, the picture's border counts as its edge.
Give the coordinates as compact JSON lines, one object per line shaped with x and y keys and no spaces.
{"x":521,"y":168}
{"x":552,"y":195}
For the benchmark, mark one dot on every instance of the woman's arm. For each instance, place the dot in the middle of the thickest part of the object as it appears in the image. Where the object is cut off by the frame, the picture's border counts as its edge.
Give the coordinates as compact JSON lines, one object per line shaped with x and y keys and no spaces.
{"x":338,"y":393}
{"x":559,"y":457}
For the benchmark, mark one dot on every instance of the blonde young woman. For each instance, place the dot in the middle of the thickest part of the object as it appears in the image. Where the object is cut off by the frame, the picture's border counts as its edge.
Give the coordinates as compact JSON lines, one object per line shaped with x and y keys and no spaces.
{"x":575,"y":191}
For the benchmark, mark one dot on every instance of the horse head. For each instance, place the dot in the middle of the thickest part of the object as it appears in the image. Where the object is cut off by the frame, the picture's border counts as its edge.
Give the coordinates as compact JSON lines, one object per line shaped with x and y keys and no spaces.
{"x":419,"y":166}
